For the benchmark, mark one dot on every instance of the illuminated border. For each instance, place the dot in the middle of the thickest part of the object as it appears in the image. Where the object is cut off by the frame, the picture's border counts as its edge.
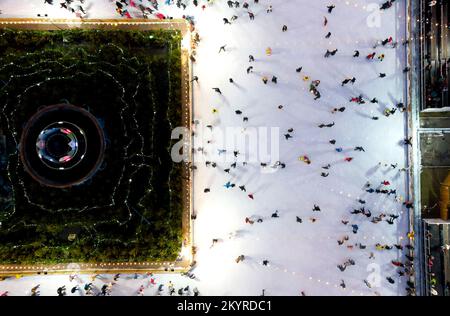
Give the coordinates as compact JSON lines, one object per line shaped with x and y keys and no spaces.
{"x":187,"y":250}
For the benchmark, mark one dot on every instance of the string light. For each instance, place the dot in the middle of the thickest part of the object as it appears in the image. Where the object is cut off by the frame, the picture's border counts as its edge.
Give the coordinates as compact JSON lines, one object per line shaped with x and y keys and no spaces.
{"x":181,"y":24}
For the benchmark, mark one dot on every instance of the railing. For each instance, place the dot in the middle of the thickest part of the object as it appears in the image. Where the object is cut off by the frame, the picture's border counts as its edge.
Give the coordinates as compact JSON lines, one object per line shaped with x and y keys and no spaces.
{"x":434,"y":54}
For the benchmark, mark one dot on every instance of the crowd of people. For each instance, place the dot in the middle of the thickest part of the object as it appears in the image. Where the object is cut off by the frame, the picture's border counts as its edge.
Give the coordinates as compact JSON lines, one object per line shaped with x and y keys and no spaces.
{"x":362,"y":212}
{"x":405,"y":266}
{"x":104,"y":284}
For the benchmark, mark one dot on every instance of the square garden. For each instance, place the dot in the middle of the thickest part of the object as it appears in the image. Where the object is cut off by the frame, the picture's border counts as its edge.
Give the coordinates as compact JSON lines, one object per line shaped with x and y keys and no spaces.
{"x":85,"y":125}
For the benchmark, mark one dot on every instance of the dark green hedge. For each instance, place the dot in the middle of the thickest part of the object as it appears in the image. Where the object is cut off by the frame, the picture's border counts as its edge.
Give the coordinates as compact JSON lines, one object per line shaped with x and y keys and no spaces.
{"x":129,"y":80}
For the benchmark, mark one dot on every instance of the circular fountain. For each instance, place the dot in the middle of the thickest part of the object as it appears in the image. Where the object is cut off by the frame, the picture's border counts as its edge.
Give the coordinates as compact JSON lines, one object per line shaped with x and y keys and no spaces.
{"x":62,"y":145}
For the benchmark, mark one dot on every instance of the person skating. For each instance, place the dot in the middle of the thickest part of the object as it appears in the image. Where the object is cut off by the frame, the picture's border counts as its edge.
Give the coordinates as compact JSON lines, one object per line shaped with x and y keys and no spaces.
{"x":382,"y":75}
{"x":397,"y":264}
{"x":343,"y":240}
{"x":398,"y":246}
{"x":287,"y":136}
{"x":229,"y":185}
{"x":222,"y":48}
{"x":326,"y":125}
{"x":367,"y":283}
{"x":350,"y":262}
{"x":80,"y":8}
{"x":356,"y":54}
{"x":330,"y":8}
{"x":74,"y":289}
{"x":284,"y":28}
{"x":35,"y":290}
{"x":345,"y":81}
{"x":390,"y":221}
{"x":275,"y":214}
{"x":401,"y":107}
{"x":386,"y":5}
{"x":315,"y":92}
{"x":316,"y":208}
{"x":250,"y":58}
{"x":226,"y":21}
{"x":61,"y":291}
{"x":371,"y":56}
{"x":359,"y":99}
{"x":390,"y":280}
{"x":330,"y":53}
{"x":341,"y":267}
{"x":298,"y":220}
{"x":240,"y":258}
{"x":217,"y":90}
{"x":387,"y":112}
{"x":324,"y":174}
{"x":274,"y":79}
{"x":407,"y":141}
{"x":305,"y":159}
{"x":341,"y":109}
{"x":328,"y":35}
{"x":359,"y":148}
